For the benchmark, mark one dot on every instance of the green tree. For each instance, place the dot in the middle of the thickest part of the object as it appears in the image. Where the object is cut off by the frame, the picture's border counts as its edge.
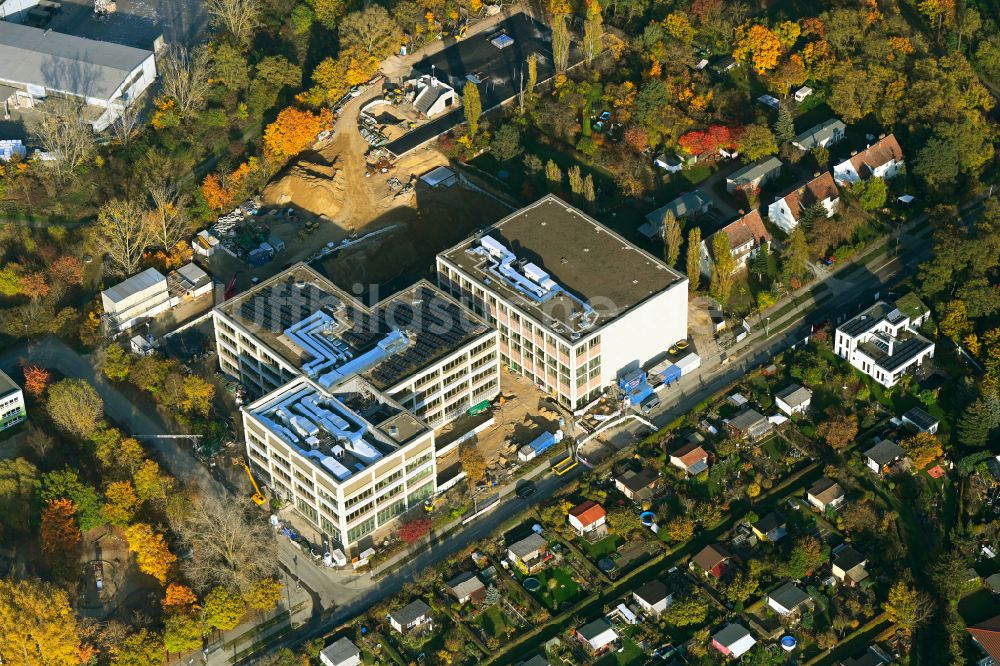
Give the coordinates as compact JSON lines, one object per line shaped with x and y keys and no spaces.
{"x":372,"y":29}
{"x":66,"y":484}
{"x":75,"y":407}
{"x":693,"y":261}
{"x":473,"y":107}
{"x":672,"y":239}
{"x":907,"y":607}
{"x":784,"y":126}
{"x":760,"y":264}
{"x":978,"y":419}
{"x":871,"y":194}
{"x":222,"y":609}
{"x":756,"y":142}
{"x":181,"y":633}
{"x":723,"y":265}
{"x":230,"y":67}
{"x":116,"y":363}
{"x":593,"y":30}
{"x":806,"y":555}
{"x":264,"y":594}
{"x":688,"y":611}
{"x":741,"y":587}
{"x":506,"y":143}
{"x":795,"y":256}
{"x":143,"y":648}
{"x":623,"y":521}
{"x":560,"y":42}
{"x":18,"y":479}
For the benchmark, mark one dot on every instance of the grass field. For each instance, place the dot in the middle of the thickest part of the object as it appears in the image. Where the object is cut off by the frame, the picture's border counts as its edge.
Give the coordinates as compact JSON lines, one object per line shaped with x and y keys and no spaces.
{"x":631,"y":655}
{"x":494,"y":622}
{"x":557,"y":588}
{"x":603,"y":548}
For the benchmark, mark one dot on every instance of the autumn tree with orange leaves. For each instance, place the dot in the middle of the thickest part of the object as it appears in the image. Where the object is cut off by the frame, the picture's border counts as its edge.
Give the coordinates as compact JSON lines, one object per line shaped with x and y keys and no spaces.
{"x":36,"y":380}
{"x":60,"y":536}
{"x":758,"y":45}
{"x":179,"y":599}
{"x":151,"y":552}
{"x":293,"y":131}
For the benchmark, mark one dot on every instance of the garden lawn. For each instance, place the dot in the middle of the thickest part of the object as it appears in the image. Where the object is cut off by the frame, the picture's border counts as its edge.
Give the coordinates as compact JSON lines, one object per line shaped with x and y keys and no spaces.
{"x":564,"y":589}
{"x":630,"y":655}
{"x":603,"y":548}
{"x":493,"y":622}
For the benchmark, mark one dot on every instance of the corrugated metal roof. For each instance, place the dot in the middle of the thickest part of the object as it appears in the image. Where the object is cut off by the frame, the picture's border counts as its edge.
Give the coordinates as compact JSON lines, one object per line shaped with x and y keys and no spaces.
{"x":71,"y":64}
{"x":140,"y":282}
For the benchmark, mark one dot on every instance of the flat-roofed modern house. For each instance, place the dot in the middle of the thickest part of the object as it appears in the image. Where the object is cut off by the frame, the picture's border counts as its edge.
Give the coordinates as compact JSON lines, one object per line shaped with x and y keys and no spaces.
{"x":349,"y":458}
{"x":753,"y":175}
{"x":577,"y":305}
{"x":883,"y":343}
{"x":12,"y":410}
{"x":36,"y":64}
{"x":788,"y":209}
{"x":883,"y":159}
{"x":823,"y":135}
{"x":419,"y":346}
{"x":747,"y":235}
{"x":921,"y":420}
{"x":135,"y":300}
{"x":689,"y":204}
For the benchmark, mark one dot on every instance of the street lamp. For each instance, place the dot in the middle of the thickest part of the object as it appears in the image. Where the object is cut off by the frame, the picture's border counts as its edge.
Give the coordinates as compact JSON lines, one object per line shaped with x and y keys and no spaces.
{"x":767,"y":328}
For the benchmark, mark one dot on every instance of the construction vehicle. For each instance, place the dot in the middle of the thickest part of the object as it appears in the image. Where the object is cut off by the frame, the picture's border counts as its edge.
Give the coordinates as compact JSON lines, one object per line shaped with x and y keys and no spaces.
{"x":258,"y":497}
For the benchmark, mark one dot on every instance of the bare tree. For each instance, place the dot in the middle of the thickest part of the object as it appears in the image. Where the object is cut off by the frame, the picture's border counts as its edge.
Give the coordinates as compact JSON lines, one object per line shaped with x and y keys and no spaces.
{"x":126,"y":122}
{"x":62,"y":131}
{"x":185,"y":78}
{"x":231,"y":544}
{"x":126,"y":231}
{"x":237,"y":17}
{"x":168,"y":216}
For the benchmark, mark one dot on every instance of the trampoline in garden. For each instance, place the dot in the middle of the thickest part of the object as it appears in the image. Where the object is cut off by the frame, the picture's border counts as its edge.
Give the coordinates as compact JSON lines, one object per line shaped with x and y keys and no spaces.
{"x":531,"y":584}
{"x":606,"y":564}
{"x":647,"y":518}
{"x":788,"y":643}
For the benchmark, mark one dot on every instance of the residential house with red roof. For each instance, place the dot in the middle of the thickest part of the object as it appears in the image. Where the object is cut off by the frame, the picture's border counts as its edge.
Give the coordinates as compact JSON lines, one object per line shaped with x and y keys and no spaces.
{"x":587,"y":517}
{"x":691,"y":458}
{"x":987,"y":637}
{"x":788,"y":209}
{"x":746,"y":236}
{"x":883,"y":159}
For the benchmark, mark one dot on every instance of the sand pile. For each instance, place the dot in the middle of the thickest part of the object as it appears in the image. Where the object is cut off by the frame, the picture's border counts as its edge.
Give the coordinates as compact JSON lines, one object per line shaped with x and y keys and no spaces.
{"x":310,"y":184}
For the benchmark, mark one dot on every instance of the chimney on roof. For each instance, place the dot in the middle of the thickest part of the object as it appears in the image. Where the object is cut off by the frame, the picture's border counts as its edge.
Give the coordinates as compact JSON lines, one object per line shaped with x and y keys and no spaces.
{"x":742,"y":212}
{"x":881,"y":136}
{"x":816,"y":174}
{"x":853,"y":153}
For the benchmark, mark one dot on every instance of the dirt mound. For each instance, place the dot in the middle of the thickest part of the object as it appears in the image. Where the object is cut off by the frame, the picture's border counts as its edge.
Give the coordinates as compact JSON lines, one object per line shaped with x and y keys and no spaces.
{"x":310,"y":184}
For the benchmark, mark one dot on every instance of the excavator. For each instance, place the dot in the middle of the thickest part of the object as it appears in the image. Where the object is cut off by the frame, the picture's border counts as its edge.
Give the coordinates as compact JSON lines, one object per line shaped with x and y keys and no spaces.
{"x":258,"y":497}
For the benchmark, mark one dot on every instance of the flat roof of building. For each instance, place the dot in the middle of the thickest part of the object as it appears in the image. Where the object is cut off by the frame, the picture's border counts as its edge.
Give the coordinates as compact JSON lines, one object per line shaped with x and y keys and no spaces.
{"x":76,"y":65}
{"x":133,"y":285}
{"x":342,"y":431}
{"x":590,"y":262}
{"x":433,"y":324}
{"x":7,"y":385}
